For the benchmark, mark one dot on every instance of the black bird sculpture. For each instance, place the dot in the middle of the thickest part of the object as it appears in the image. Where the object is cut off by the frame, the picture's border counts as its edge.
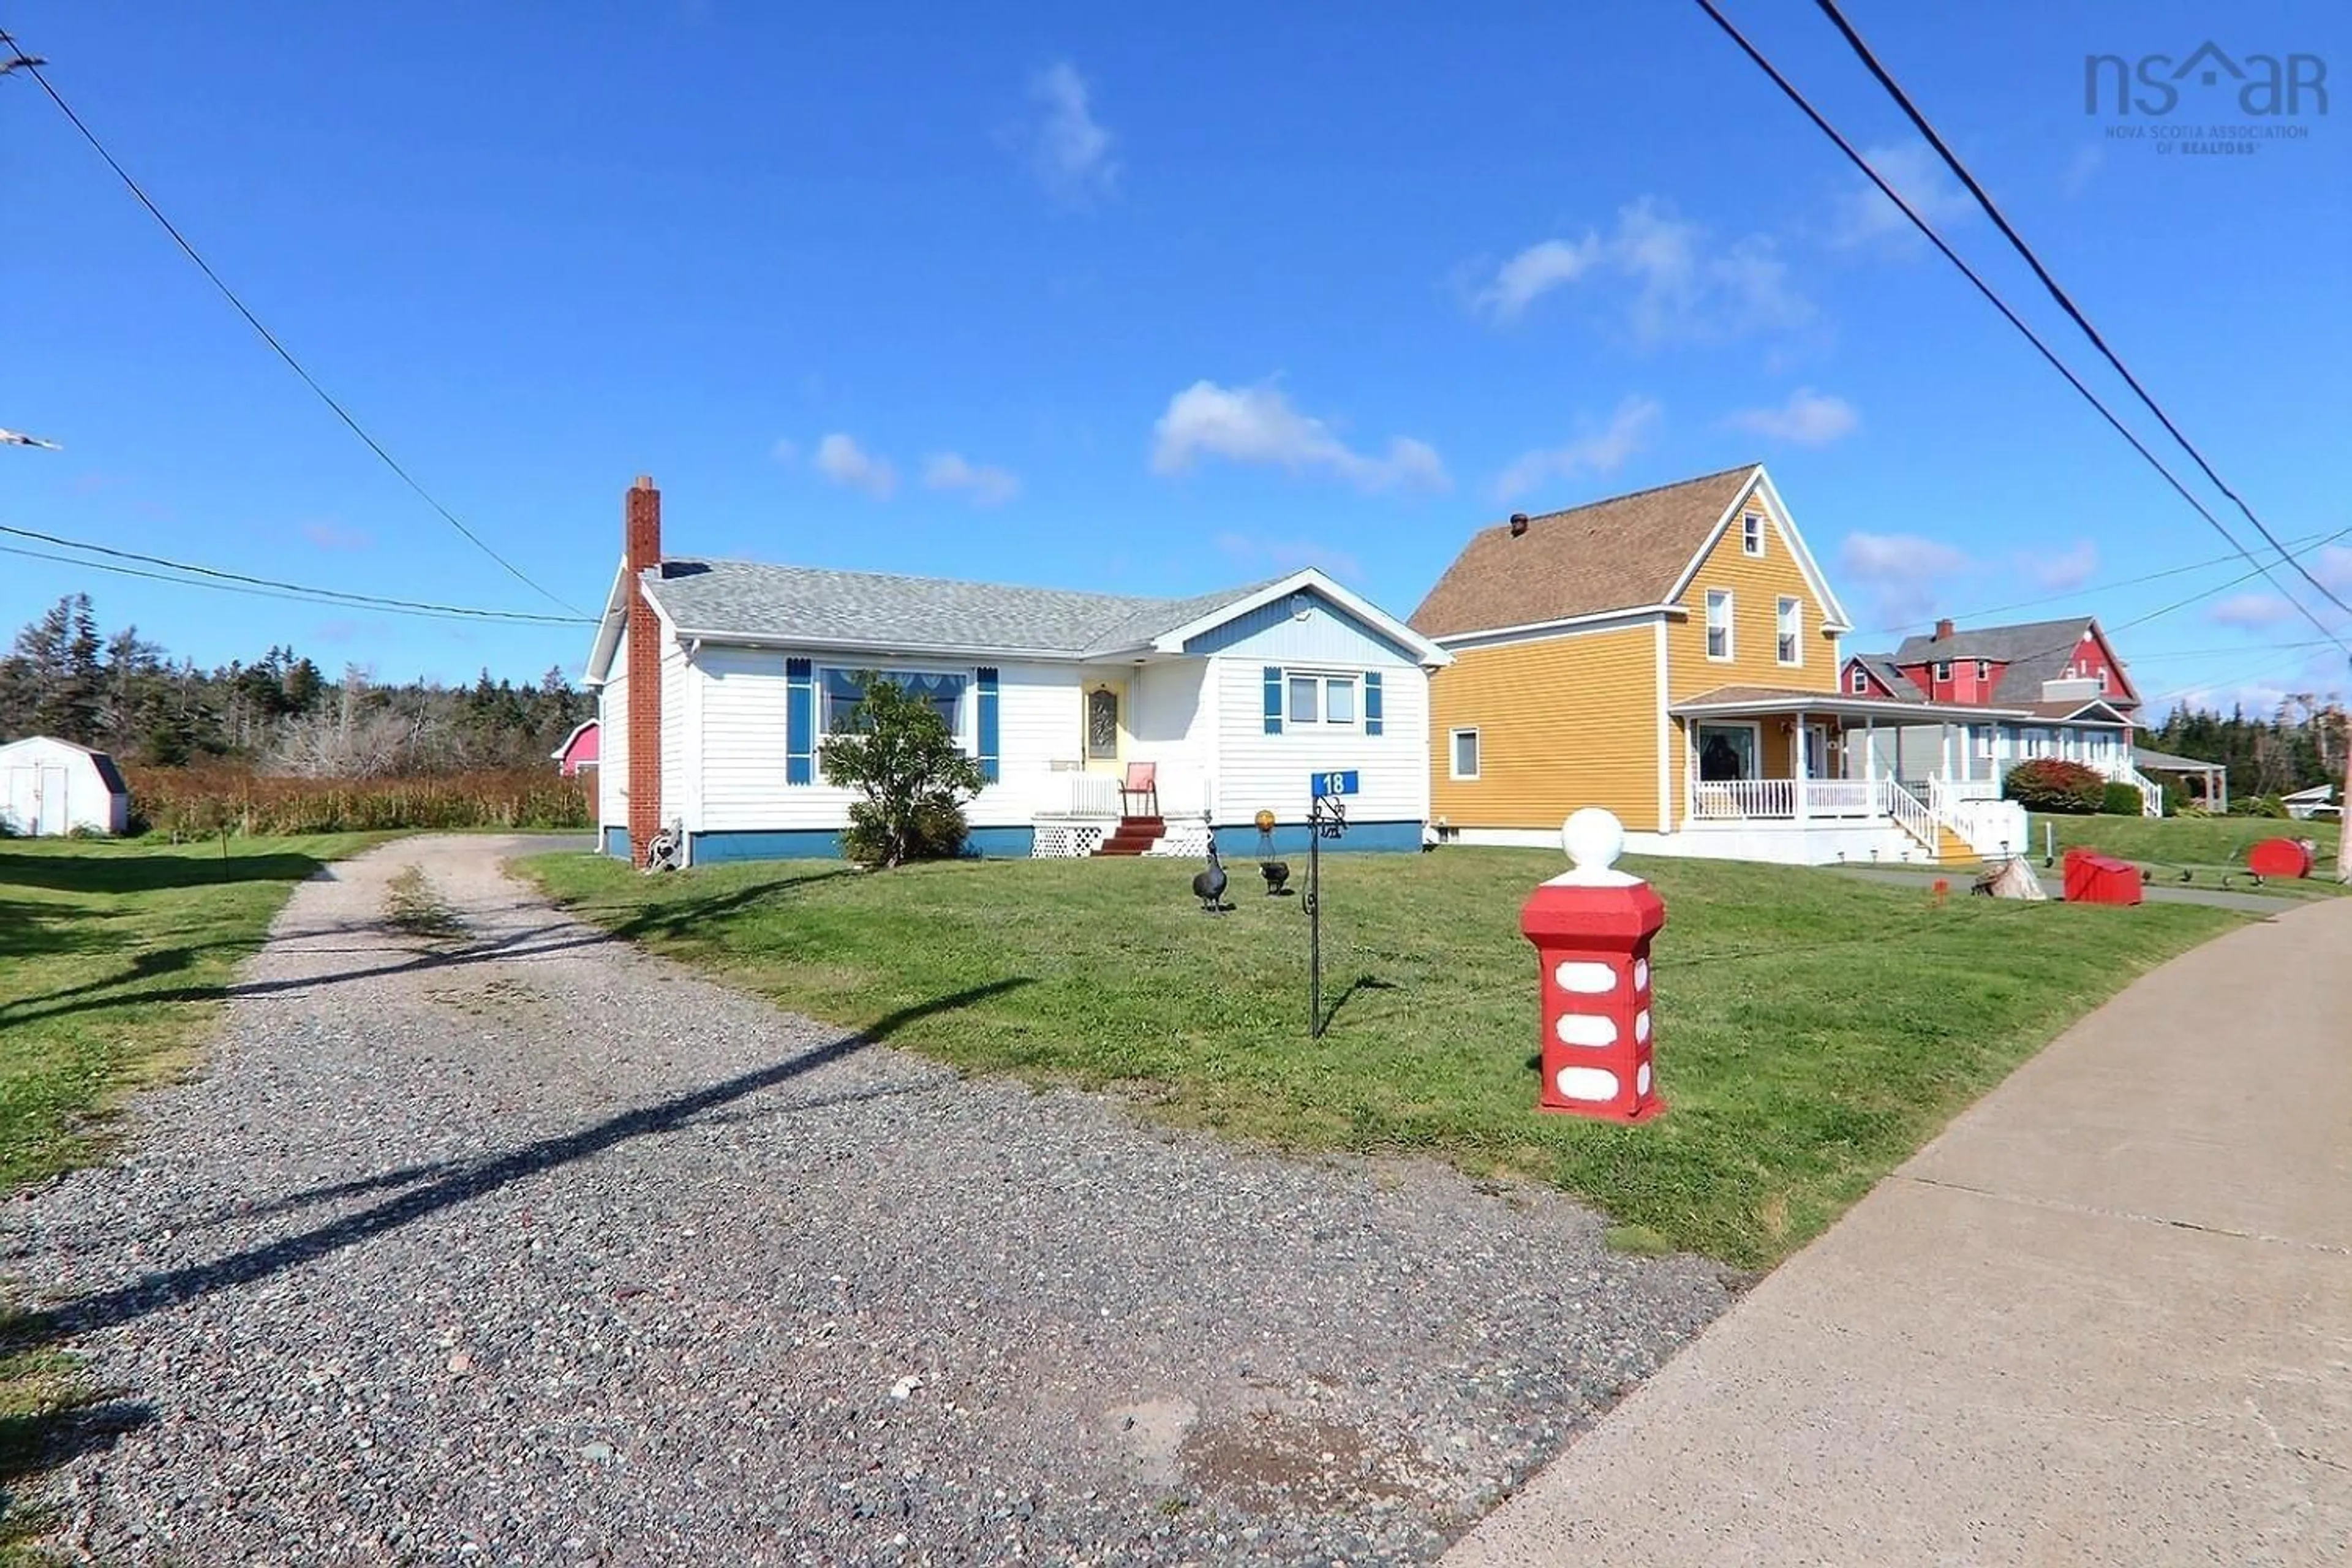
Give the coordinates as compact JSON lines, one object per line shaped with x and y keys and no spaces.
{"x":1209,"y":885}
{"x":1276,"y":874}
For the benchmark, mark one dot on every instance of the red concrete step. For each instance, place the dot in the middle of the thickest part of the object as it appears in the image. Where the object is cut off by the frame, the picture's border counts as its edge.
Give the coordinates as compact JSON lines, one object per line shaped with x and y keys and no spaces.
{"x":1134,"y":836}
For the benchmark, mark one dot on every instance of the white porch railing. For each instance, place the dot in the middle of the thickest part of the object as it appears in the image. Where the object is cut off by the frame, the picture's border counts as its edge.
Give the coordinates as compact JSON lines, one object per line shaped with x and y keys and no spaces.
{"x":1788,"y":800}
{"x":1912,"y":814}
{"x":1183,"y":791}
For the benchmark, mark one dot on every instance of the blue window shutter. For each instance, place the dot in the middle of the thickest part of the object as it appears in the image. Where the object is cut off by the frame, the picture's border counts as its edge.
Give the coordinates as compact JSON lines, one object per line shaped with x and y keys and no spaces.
{"x":1371,"y":702}
{"x":990,"y":764}
{"x":1273,"y":700}
{"x":800,"y":722}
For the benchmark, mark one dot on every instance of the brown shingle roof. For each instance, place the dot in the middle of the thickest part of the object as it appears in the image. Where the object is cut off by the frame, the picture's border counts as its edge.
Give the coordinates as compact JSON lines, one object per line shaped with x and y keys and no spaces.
{"x":1611,"y":554}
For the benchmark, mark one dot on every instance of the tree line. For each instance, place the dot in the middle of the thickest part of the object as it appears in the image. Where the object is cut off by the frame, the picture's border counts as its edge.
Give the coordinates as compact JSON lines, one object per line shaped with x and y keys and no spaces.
{"x":2302,"y":743}
{"x":279,"y":715}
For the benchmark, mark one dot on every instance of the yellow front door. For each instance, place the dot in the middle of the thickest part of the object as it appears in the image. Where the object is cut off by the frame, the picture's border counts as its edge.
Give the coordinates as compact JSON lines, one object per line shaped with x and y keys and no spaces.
{"x":1106,"y":727}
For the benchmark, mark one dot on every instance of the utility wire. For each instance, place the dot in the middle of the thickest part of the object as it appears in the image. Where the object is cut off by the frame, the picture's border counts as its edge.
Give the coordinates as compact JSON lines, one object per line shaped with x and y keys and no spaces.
{"x":32,"y":67}
{"x":1797,"y":97}
{"x":376,"y":600}
{"x":293,"y":593}
{"x":2065,"y":302}
{"x":2307,"y":543}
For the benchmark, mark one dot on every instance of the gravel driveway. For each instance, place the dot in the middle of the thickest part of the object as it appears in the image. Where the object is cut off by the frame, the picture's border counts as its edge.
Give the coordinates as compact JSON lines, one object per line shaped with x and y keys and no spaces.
{"x":529,"y":1247}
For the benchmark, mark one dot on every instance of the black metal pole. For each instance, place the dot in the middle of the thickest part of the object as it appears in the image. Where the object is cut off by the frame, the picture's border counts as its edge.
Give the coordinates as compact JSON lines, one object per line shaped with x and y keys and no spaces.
{"x":1315,"y":919}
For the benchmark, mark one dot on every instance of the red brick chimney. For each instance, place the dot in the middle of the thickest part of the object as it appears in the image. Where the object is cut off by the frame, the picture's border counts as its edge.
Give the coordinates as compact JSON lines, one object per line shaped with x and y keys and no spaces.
{"x":641,"y":539}
{"x":1944,"y":631}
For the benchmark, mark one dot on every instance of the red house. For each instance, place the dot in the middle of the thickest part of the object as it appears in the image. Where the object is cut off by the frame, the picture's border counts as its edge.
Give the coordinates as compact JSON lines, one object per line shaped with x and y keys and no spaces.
{"x":2048,"y":688}
{"x":579,"y":749}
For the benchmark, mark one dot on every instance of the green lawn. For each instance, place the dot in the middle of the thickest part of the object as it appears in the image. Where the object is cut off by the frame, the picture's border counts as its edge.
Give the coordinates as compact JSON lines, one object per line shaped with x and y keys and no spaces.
{"x":1813,"y":1029}
{"x":113,"y":956}
{"x":2206,"y":848}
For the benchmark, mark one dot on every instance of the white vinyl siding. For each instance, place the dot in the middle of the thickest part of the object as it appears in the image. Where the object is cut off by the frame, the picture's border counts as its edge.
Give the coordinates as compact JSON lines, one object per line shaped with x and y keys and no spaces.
{"x":1255,"y":770}
{"x":613,"y":742}
{"x":743,"y":701}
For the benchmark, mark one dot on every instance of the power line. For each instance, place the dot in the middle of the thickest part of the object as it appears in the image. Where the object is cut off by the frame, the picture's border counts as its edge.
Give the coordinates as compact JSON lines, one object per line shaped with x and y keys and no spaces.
{"x":263,"y":588}
{"x":2307,"y":543}
{"x":32,"y":67}
{"x":376,"y":600}
{"x":1853,"y":155}
{"x":2017,"y":242}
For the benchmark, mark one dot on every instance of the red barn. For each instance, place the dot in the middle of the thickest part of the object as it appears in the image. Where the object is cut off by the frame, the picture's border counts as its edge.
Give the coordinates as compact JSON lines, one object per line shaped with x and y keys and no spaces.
{"x":578,"y":751}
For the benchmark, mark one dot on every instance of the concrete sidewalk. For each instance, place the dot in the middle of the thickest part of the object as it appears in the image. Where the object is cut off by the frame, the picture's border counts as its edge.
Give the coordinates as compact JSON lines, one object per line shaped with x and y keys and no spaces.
{"x":2106,"y":1318}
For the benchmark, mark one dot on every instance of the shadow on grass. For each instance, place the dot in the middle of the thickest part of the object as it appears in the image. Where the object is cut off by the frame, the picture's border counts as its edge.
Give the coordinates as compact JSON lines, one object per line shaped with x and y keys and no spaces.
{"x":1360,"y":983}
{"x":100,"y":871}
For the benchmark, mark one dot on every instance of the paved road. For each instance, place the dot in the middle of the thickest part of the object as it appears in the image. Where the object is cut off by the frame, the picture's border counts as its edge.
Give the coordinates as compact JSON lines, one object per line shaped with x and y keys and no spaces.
{"x":534,"y":1248}
{"x":2106,"y":1318}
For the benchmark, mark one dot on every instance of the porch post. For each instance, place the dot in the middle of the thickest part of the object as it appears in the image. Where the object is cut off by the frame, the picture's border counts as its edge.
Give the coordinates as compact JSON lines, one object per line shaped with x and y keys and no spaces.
{"x":1800,"y":781}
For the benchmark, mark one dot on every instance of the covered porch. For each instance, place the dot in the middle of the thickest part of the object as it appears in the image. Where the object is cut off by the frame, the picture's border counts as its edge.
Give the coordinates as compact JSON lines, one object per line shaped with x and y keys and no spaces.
{"x":1808,"y":760}
{"x":1134,"y":777}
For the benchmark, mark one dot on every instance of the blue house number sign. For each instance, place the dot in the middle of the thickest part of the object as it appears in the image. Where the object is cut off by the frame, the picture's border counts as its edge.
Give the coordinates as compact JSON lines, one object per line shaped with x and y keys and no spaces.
{"x":1332,"y":783}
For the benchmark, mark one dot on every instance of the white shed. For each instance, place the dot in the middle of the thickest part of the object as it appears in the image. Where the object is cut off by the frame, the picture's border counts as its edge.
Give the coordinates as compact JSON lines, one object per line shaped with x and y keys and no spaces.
{"x":49,"y":786}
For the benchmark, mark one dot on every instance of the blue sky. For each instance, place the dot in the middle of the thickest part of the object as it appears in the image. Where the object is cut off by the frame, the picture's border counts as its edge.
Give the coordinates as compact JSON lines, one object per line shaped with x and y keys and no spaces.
{"x":1148,"y":302}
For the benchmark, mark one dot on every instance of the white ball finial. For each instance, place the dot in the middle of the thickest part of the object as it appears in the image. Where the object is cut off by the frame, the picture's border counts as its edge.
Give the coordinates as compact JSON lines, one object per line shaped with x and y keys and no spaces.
{"x":1593,"y":838}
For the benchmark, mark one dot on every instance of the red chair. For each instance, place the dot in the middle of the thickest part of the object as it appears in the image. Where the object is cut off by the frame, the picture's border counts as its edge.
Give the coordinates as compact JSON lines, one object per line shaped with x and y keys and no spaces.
{"x":1142,"y":782}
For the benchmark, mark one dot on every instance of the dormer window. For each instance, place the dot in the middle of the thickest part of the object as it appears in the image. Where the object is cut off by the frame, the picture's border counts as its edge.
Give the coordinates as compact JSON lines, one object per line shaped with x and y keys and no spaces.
{"x":1859,"y":684}
{"x":1984,"y":671}
{"x":1944,"y":670}
{"x":1751,"y":535}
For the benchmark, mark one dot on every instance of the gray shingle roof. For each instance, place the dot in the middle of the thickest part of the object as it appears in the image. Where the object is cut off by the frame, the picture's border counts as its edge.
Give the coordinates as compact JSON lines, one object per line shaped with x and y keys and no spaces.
{"x":1883,"y":666}
{"x":821,"y":606}
{"x":2034,"y":651}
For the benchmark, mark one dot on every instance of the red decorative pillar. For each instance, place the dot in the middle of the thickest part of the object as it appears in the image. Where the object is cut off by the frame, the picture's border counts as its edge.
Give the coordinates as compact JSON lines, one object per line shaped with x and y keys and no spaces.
{"x":1591,"y":928}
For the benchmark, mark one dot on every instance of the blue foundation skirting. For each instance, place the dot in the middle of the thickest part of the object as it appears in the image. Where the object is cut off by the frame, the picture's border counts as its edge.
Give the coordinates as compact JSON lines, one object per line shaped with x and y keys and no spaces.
{"x":824,"y":844}
{"x":616,"y":843}
{"x":1290,"y":839}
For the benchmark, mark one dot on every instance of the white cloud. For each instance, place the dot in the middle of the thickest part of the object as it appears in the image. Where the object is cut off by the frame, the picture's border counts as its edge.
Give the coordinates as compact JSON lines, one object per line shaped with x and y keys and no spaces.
{"x":2063,"y":571}
{"x":985,"y":485}
{"x":1808,"y":419}
{"x":1069,"y":149}
{"x":845,"y":463}
{"x":2087,"y":161}
{"x":2333,"y":566}
{"x":1257,"y":425}
{"x":1903,"y":571}
{"x":1289,"y":554}
{"x":1595,"y":450}
{"x":2253,"y":611}
{"x":1863,"y":216}
{"x":1684,"y":284}
{"x":1537,"y":270}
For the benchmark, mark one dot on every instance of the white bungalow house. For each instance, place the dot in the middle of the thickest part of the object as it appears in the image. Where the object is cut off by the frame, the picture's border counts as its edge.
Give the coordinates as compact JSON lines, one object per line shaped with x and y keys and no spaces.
{"x":718,"y":683}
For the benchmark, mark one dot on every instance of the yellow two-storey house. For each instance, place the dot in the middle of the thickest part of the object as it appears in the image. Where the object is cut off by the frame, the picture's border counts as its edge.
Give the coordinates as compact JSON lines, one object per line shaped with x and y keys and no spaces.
{"x":1670,"y":655}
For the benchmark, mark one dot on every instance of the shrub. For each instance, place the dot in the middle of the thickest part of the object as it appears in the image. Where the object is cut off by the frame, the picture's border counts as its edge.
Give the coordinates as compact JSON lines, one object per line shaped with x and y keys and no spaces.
{"x":2268,"y":806}
{"x":913,"y":777}
{"x":2122,"y":800}
{"x":2047,"y":784}
{"x":199,"y":803}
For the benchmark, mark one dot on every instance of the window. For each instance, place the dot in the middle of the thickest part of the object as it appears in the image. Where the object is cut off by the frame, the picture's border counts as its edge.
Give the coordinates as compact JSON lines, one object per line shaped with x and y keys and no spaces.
{"x":1463,"y":758}
{"x":1324,"y":700}
{"x":1859,"y":683}
{"x":2103,"y":679}
{"x":840,"y":692}
{"x":1984,"y":744}
{"x":1789,"y":623}
{"x":1984,"y":671}
{"x":1718,"y":623}
{"x":1751,"y":535}
{"x":1944,"y":670}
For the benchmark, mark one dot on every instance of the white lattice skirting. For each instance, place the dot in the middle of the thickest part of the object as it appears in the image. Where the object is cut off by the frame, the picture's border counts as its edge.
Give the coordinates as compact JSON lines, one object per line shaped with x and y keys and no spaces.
{"x":1067,"y":840}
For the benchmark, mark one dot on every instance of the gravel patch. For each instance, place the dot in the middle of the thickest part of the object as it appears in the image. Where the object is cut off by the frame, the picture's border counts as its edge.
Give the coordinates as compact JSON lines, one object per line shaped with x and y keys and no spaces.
{"x":525,"y":1246}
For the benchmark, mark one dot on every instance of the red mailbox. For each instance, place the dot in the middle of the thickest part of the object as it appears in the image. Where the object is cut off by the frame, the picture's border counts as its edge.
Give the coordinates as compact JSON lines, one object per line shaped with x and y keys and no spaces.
{"x":1592,"y":929}
{"x":2094,"y":878}
{"x":2286,"y":857}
